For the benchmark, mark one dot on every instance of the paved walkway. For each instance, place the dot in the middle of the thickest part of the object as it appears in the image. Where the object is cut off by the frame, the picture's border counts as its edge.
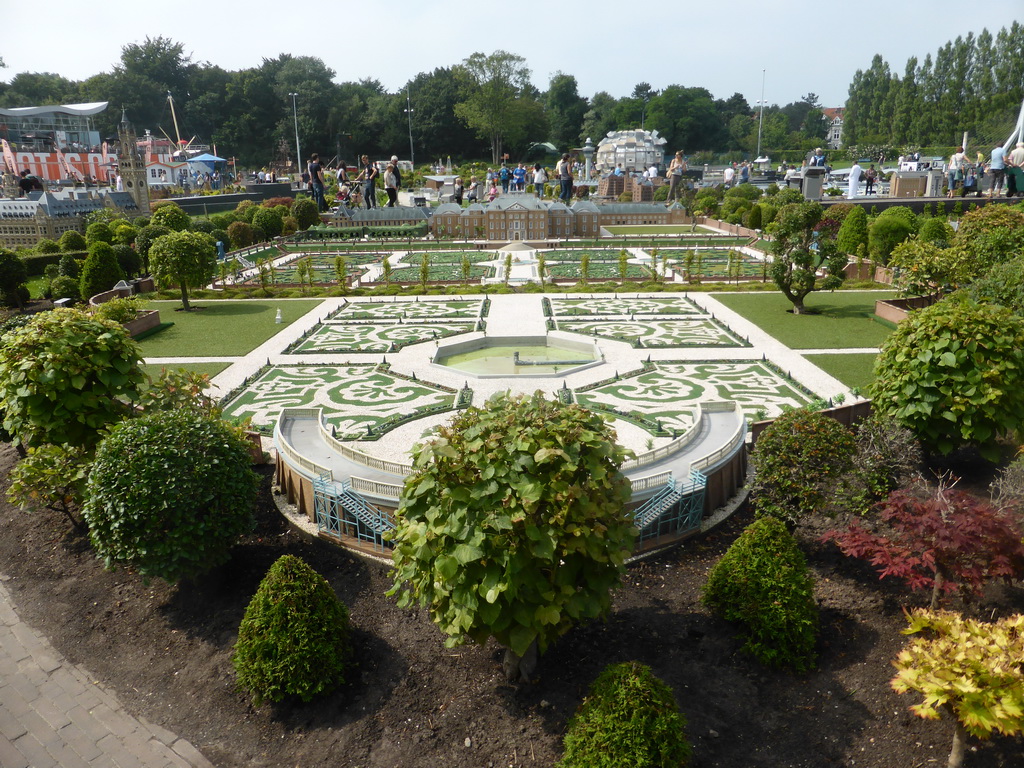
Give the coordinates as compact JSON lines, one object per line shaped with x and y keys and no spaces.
{"x":53,"y":714}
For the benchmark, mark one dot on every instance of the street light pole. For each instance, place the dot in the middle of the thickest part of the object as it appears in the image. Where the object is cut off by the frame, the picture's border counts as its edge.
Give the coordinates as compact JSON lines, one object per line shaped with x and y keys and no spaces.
{"x":760,"y":122}
{"x":408,"y":111}
{"x":298,"y":152}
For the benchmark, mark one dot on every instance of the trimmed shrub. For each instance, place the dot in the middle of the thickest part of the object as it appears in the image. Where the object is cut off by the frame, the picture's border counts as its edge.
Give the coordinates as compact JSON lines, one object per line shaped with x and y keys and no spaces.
{"x":953,"y":373}
{"x":888,"y":456}
{"x":170,"y":215}
{"x":36,"y":263}
{"x":128,"y":260}
{"x":853,"y":232}
{"x":124,"y":234}
{"x":64,"y":287}
{"x":147,"y":236}
{"x":305,"y":212}
{"x":800,"y":461}
{"x":118,"y":311}
{"x":885,"y":234}
{"x":754,"y":218}
{"x":293,"y":641}
{"x":72,"y":241}
{"x":762,"y":582}
{"x":169,"y":494}
{"x":269,"y":220}
{"x":992,"y":234}
{"x":100,"y":271}
{"x":628,"y":718}
{"x":99,"y":233}
{"x":902,"y":213}
{"x":69,"y":266}
{"x":240,"y":235}
{"x":47,"y":246}
{"x":937,"y":232}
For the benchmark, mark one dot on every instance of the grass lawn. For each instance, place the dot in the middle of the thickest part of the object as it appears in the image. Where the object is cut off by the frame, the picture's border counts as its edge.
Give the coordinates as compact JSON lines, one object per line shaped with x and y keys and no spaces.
{"x":220,"y":328}
{"x":842,"y":319}
{"x":853,"y":370}
{"x":210,"y":369}
{"x":35,"y":286}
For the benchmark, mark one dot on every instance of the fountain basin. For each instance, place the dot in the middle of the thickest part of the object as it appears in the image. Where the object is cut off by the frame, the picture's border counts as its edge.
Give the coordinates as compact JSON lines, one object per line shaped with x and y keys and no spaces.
{"x":521,"y":356}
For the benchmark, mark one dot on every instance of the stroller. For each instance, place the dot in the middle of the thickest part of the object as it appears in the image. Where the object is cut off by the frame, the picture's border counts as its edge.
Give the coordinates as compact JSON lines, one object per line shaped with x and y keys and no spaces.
{"x":350,"y":197}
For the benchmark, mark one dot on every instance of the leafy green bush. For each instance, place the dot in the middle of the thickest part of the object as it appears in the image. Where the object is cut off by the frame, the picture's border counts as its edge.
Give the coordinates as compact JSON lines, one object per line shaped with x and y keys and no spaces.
{"x":100,"y":271}
{"x":69,"y":266}
{"x":124,"y":233}
{"x":305,"y":212}
{"x":885,"y":234}
{"x":118,"y":310}
{"x":628,"y":719}
{"x":294,"y":638}
{"x":52,"y":477}
{"x":800,"y":461}
{"x":853,"y":232}
{"x":170,"y":215}
{"x":169,"y":494}
{"x":46,"y":245}
{"x":991,"y":235}
{"x":72,"y":241}
{"x":937,"y":232}
{"x":269,"y":220}
{"x":64,"y":376}
{"x":953,"y":373}
{"x":888,"y":456}
{"x":99,"y":233}
{"x":754,"y":218}
{"x":201,"y":224}
{"x":762,"y":581}
{"x":901,"y":213}
{"x":62,"y":287}
{"x":240,"y":234}
{"x":128,"y":260}
{"x":147,"y":236}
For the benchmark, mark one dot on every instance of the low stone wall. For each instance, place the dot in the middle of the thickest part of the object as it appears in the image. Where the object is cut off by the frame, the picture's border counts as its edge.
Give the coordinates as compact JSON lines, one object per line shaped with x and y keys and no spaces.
{"x":142,"y":285}
{"x":145,"y":321}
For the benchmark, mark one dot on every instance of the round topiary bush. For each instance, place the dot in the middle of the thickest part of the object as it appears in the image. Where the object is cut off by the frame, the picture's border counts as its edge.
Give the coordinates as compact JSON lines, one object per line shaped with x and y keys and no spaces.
{"x":294,"y":637}
{"x":762,"y":582}
{"x":169,"y":494}
{"x":240,"y":234}
{"x":170,"y":215}
{"x":800,"y":461}
{"x":64,"y":287}
{"x":953,"y":374}
{"x":629,"y":718}
{"x":305,"y":212}
{"x":72,"y":241}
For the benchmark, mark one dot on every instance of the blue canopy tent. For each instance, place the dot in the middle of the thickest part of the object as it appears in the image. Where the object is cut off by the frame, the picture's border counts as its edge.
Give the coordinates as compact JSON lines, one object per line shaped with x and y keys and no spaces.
{"x":207,"y":161}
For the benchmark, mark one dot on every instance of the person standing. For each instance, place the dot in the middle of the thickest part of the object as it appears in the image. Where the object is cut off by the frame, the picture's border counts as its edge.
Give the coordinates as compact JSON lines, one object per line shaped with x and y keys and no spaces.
{"x":316,"y":181}
{"x":855,"y":173}
{"x":391,"y":185}
{"x":745,"y":173}
{"x":869,"y":180}
{"x":342,"y":174}
{"x":398,"y":172}
{"x":368,"y":175}
{"x":997,"y":165}
{"x":955,"y":170}
{"x":457,"y":193}
{"x":519,"y":178}
{"x":675,"y":175}
{"x":505,"y":175}
{"x":565,"y":178}
{"x":728,"y":176}
{"x":473,"y":193}
{"x":540,"y":178}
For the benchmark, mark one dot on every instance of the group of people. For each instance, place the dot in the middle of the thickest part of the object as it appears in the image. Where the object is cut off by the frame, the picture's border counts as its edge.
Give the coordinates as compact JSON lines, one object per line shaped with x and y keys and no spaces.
{"x":361,"y":189}
{"x":960,"y":172}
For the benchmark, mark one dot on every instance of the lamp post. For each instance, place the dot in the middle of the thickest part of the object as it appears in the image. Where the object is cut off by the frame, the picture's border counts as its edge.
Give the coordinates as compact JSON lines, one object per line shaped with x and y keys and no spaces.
{"x":408,"y":111}
{"x":298,"y":152}
{"x":760,"y":122}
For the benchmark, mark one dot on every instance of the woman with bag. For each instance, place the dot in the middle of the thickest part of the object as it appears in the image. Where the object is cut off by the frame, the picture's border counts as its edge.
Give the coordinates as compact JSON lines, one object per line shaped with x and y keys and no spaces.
{"x":675,"y":175}
{"x":955,"y":170}
{"x":391,"y":185}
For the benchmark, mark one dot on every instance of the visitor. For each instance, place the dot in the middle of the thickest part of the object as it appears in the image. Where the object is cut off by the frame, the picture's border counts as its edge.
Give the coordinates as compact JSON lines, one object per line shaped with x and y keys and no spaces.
{"x":506,"y":177}
{"x":342,"y":174}
{"x":118,"y":182}
{"x":540,"y":178}
{"x":391,"y":185}
{"x":818,"y":159}
{"x":955,"y":171}
{"x":745,"y":173}
{"x":398,"y":173}
{"x":675,"y":175}
{"x":368,"y":175}
{"x":519,"y":178}
{"x":457,"y":193}
{"x":618,"y":170}
{"x":869,"y":180}
{"x":473,"y":193}
{"x":565,"y":178}
{"x":316,"y":181}
{"x":854,"y":181}
{"x":493,"y":191}
{"x":728,"y":176}
{"x":997,"y":165}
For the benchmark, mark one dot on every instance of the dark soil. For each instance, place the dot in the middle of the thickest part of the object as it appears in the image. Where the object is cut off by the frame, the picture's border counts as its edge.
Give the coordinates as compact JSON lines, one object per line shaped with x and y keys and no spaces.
{"x":166,"y":652}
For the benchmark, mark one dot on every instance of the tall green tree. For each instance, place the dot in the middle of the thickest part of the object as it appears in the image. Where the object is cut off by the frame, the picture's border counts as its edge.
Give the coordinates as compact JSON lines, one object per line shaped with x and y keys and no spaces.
{"x":493,"y":104}
{"x":565,"y":110}
{"x":187,"y":259}
{"x":799,"y":253}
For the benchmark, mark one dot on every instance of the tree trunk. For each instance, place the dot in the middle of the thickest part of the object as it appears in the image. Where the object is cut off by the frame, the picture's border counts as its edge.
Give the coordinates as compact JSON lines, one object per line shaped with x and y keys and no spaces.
{"x":184,"y":297}
{"x":937,"y":589}
{"x":520,"y":668}
{"x":798,"y":306}
{"x":956,"y":754}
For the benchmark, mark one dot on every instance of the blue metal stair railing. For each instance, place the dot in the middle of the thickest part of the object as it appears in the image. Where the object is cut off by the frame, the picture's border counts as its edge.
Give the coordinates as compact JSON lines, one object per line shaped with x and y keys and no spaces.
{"x":340,"y":510}
{"x":675,"y":509}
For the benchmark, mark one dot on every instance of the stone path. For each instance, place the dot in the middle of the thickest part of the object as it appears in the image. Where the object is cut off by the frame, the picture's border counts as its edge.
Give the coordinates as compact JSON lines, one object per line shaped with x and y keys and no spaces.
{"x":52,"y":713}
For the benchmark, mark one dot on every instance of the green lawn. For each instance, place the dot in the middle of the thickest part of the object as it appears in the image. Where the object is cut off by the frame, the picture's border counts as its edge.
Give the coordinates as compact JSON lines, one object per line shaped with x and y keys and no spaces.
{"x":654,"y":229}
{"x":853,"y":370}
{"x":841,"y":320}
{"x":220,"y":328}
{"x":210,"y":369}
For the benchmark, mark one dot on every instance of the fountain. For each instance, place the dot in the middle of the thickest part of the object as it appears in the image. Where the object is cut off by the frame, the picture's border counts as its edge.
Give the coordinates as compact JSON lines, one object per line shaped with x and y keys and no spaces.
{"x":520,"y":356}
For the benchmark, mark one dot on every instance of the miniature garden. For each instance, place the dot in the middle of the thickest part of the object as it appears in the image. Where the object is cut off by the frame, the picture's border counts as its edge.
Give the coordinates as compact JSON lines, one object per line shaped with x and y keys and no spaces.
{"x":861,"y":607}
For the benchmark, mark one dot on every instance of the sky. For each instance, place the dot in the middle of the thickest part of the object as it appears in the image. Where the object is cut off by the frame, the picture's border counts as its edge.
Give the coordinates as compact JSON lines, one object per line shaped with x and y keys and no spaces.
{"x":799,"y":46}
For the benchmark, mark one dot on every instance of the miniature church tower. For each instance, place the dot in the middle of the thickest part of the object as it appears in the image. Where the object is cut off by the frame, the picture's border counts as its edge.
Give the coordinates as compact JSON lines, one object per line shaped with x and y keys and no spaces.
{"x":132,"y":165}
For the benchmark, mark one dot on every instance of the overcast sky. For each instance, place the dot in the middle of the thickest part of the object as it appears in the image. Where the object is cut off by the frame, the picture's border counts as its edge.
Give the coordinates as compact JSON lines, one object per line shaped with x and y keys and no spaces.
{"x":803,"y":45}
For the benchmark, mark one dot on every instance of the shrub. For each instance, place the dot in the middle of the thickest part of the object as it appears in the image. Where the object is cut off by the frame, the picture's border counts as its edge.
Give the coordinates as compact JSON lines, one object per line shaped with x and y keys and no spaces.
{"x":294,"y":638}
{"x":200,"y":224}
{"x":628,"y":718}
{"x":64,"y":376}
{"x":188,"y":259}
{"x":124,"y":234}
{"x":128,"y":260}
{"x":170,"y":215}
{"x":13,"y":276}
{"x":953,"y":374}
{"x":100,"y":271}
{"x":47,"y":246}
{"x":72,"y":241}
{"x":800,"y":461}
{"x":888,"y":456}
{"x":269,"y":220}
{"x":221,"y":236}
{"x":853,"y":232}
{"x":118,"y":310}
{"x":885,"y":234}
{"x":69,"y":266}
{"x":515,"y":539}
{"x":62,"y":287}
{"x":754,"y":218}
{"x":305,"y":212}
{"x":52,"y":477}
{"x":223,"y":220}
{"x":902,"y":213}
{"x":240,"y":234}
{"x":1008,"y":488}
{"x":937,"y":232}
{"x":762,"y":582}
{"x":147,"y":236}
{"x":289,"y":226}
{"x":992,"y":234}
{"x":169,"y":494}
{"x":840,"y":211}
{"x":98,"y":233}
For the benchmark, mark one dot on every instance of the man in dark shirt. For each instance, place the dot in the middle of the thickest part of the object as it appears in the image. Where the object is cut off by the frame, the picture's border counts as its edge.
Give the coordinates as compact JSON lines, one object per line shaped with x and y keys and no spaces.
{"x":316,"y":181}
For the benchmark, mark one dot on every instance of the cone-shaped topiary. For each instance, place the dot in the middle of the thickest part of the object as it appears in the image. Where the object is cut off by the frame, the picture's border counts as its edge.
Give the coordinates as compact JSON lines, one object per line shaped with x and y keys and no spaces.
{"x":629,"y":719}
{"x":294,"y":637}
{"x":762,"y":581}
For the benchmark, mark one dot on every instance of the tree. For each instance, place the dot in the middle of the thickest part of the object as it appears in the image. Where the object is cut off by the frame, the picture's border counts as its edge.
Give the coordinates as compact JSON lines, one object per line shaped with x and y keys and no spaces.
{"x":186,"y":258}
{"x":516,"y":539}
{"x":762,"y":581}
{"x":127,"y":259}
{"x":101,"y":272}
{"x":99,"y":232}
{"x":565,"y":110}
{"x":170,"y":215}
{"x":269,"y":220}
{"x":948,"y":540}
{"x":966,"y":668}
{"x":13,"y":275}
{"x":169,"y":494}
{"x":953,"y":373}
{"x":65,"y":376}
{"x":53,"y":477}
{"x":494,"y":105}
{"x":629,"y":718}
{"x":853,"y":232}
{"x":72,"y":241}
{"x":294,"y":640}
{"x":305,"y":212}
{"x":146,"y":237}
{"x":799,"y":464}
{"x":799,"y":253}
{"x":240,"y":234}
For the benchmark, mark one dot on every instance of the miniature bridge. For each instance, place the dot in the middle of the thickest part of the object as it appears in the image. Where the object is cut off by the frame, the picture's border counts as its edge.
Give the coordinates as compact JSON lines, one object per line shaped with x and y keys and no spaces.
{"x":351,"y":495}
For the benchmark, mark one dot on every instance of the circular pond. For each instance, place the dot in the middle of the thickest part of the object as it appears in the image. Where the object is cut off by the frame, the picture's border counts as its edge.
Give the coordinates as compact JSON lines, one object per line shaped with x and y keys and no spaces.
{"x":517,"y":356}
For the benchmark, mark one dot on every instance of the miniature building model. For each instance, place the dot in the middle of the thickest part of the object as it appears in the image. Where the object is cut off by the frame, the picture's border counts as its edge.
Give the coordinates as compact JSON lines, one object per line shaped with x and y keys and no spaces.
{"x":132,"y":164}
{"x":634,"y":150}
{"x":26,"y":221}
